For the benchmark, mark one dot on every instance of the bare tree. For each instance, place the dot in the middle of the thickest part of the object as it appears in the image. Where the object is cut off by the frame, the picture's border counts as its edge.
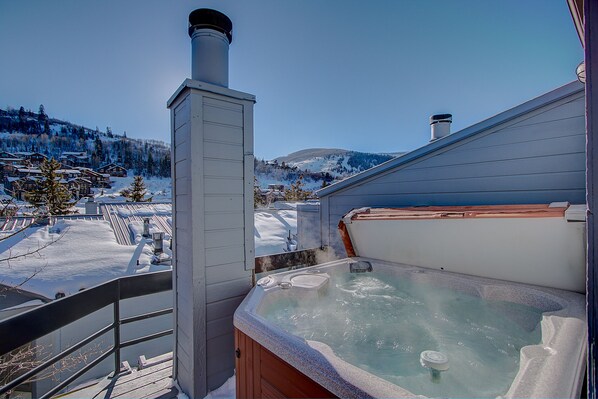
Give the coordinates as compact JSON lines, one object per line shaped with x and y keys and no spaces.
{"x":32,"y":355}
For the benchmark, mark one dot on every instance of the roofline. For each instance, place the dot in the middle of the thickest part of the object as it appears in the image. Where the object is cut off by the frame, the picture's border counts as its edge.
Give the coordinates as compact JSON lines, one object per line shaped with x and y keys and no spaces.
{"x":510,"y":114}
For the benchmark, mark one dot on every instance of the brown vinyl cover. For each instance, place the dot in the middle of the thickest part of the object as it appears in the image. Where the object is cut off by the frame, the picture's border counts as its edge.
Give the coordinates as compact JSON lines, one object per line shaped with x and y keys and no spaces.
{"x":342,"y":229}
{"x":449,"y":212}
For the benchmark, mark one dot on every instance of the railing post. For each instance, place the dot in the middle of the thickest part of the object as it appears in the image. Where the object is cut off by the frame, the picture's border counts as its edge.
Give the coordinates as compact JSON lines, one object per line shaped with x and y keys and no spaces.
{"x":117,"y":331}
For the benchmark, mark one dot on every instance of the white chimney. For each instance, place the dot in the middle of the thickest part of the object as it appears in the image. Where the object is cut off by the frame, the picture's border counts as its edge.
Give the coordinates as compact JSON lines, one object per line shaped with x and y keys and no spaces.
{"x":440,"y":125}
{"x":211,"y":34}
{"x":212,"y":173}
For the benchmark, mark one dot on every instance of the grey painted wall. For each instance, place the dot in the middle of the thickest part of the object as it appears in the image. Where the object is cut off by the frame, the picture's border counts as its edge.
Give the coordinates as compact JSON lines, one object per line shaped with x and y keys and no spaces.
{"x":212,"y":136}
{"x":536,"y":158}
{"x":308,"y":226}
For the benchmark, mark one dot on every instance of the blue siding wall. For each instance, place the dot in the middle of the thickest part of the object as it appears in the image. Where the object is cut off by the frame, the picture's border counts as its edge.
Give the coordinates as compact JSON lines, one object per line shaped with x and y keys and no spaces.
{"x":536,"y":158}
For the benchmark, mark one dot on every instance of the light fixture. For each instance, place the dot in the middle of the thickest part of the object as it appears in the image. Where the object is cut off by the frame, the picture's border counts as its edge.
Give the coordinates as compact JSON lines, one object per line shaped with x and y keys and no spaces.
{"x":581,"y":72}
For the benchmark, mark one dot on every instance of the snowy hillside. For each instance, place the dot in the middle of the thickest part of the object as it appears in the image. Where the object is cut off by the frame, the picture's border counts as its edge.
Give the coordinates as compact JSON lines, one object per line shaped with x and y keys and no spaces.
{"x":339,"y":163}
{"x":24,"y":130}
{"x":318,"y":166}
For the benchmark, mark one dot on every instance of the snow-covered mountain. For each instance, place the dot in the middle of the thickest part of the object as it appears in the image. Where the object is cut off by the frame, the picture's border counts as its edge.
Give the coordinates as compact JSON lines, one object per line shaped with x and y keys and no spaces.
{"x":318,"y":166}
{"x":337,"y":162}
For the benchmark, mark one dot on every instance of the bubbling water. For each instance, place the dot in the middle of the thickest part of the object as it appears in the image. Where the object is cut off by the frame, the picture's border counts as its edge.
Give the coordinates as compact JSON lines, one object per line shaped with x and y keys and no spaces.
{"x":382,"y":323}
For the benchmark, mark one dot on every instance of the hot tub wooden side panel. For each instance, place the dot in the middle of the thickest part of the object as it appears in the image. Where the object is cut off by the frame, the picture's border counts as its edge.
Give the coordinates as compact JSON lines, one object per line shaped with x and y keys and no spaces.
{"x":262,"y":374}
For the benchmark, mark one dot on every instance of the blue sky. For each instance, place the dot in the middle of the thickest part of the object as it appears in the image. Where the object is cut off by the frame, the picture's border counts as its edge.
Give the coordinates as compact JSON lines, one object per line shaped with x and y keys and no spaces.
{"x":327,"y":73}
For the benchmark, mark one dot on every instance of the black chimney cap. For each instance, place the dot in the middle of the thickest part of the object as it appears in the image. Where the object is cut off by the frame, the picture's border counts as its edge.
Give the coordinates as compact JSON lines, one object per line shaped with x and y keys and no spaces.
{"x":210,"y":19}
{"x":441,"y":118}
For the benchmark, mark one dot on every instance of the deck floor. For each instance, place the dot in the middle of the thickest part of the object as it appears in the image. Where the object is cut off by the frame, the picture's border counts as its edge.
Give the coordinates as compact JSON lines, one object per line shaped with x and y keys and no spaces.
{"x":154,"y":382}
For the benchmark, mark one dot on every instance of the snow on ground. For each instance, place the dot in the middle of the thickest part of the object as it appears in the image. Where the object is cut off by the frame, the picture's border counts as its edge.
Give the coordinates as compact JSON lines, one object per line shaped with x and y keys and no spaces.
{"x":70,"y":256}
{"x":76,"y":254}
{"x":225,"y":391}
{"x":272,"y":229}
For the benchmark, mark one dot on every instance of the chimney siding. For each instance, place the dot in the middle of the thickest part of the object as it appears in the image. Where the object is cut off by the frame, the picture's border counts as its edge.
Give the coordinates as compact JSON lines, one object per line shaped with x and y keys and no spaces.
{"x":212,"y":153}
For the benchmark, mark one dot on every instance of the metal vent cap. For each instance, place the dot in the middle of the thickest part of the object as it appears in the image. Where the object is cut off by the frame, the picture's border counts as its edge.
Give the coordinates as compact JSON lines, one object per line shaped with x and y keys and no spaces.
{"x":206,"y":18}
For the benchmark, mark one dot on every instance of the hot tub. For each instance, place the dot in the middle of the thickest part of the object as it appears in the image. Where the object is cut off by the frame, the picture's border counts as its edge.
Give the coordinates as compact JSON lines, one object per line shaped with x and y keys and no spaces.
{"x":359,"y":328}
{"x":468,"y":301}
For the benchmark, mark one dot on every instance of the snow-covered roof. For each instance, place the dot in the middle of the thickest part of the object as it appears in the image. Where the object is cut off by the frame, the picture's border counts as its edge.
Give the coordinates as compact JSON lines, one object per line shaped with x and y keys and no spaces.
{"x":271,"y":226}
{"x":107,"y":165}
{"x":29,"y":154}
{"x":127,"y":219}
{"x":90,"y":172}
{"x":8,"y":155}
{"x":29,"y":170}
{"x":69,"y":256}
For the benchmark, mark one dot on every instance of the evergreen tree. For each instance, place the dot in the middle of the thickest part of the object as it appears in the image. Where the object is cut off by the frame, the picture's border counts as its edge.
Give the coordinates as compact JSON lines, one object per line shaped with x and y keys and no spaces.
{"x":41,"y":115}
{"x":136,"y":191}
{"x":50,"y":192}
{"x":98,"y":147}
{"x":22,"y":119}
{"x":150,"y":164}
{"x":165,"y":166}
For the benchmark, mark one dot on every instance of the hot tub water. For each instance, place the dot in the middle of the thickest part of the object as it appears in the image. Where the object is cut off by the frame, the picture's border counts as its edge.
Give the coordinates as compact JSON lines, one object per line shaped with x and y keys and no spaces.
{"x":381,"y":322}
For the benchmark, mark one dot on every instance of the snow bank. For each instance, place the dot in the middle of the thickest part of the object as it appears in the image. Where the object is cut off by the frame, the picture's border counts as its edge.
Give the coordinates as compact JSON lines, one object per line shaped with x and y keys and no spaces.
{"x":271,"y":230}
{"x":225,"y":391}
{"x":77,"y":254}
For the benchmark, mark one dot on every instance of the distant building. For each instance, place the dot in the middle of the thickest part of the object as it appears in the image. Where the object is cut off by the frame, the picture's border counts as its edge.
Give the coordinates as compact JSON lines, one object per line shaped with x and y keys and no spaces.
{"x":25,"y":180}
{"x":75,"y":159}
{"x":32,"y":158}
{"x":113,"y":170}
{"x":8,"y":157}
{"x":19,"y":187}
{"x":79,"y":187}
{"x":101,"y":180}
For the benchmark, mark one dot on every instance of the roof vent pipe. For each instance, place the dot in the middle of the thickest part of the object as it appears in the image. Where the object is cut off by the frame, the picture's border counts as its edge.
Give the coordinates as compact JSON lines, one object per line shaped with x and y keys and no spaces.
{"x":211,"y":34}
{"x":440,"y":125}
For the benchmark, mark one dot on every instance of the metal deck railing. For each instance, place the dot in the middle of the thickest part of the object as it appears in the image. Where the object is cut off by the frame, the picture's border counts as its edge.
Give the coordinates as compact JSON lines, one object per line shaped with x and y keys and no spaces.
{"x":26,"y":327}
